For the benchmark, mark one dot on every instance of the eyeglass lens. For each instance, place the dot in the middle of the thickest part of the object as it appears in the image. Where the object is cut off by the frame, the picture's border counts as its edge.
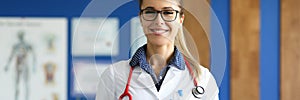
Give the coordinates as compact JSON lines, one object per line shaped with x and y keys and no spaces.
{"x":167,"y":15}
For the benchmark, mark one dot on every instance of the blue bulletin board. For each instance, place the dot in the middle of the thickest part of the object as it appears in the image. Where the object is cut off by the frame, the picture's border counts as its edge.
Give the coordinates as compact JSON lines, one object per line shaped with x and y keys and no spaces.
{"x":74,"y":8}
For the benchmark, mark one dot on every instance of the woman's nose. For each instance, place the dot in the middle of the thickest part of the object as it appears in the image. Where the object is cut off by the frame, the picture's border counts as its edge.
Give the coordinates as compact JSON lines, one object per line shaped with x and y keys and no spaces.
{"x":159,"y":20}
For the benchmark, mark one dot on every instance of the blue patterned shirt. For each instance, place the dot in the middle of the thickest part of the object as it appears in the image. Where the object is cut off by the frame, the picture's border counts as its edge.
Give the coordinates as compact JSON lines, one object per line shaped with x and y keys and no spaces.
{"x":139,"y":59}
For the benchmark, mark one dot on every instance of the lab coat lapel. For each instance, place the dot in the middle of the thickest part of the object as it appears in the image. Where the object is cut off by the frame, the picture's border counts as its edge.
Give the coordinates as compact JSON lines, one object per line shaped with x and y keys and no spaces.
{"x":143,"y":80}
{"x":171,"y":81}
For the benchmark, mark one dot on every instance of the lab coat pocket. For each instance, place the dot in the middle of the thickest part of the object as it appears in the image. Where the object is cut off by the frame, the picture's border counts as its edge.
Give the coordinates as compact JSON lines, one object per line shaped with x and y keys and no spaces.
{"x":184,"y":95}
{"x":177,"y":95}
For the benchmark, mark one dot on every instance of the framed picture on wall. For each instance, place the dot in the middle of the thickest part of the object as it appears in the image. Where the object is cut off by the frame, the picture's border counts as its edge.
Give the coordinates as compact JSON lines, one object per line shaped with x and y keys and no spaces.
{"x":85,"y":76}
{"x":33,"y":61}
{"x":95,"y":36}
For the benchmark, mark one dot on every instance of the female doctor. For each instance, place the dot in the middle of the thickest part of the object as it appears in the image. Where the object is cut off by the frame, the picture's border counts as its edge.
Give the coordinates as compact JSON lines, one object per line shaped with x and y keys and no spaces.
{"x":162,"y":69}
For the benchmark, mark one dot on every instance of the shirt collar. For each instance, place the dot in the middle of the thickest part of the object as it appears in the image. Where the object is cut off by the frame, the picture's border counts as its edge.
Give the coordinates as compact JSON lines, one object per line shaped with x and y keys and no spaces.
{"x":139,"y":59}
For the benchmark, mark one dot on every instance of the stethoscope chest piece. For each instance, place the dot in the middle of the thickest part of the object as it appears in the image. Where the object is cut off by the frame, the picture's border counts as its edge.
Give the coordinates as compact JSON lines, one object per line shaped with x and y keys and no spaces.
{"x":198,"y":91}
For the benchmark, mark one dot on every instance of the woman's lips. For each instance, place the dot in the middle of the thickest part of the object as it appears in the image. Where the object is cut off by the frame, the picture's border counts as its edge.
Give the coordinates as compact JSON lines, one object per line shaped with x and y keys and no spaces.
{"x":158,"y":31}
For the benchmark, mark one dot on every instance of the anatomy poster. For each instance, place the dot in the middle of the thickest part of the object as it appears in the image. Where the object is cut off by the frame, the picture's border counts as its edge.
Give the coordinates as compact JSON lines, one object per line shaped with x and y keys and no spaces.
{"x":95,"y":36}
{"x":138,"y":37}
{"x":33,"y":61}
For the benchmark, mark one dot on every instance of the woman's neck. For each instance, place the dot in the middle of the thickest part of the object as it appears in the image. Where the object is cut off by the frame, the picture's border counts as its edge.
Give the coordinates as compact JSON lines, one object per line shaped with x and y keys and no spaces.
{"x":160,"y":54}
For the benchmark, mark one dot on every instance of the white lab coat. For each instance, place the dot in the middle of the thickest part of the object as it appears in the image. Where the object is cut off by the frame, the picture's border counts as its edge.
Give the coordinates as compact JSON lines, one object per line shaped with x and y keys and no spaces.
{"x":113,"y":82}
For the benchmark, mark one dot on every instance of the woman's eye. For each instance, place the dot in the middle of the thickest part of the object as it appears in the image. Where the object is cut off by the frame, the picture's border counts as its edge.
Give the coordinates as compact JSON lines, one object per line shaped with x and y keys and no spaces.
{"x":168,"y":12}
{"x":150,"y":12}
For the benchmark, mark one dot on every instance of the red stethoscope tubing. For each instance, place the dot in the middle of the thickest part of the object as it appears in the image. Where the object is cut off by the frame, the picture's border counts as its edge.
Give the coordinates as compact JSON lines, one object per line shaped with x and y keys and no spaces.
{"x":191,"y":71}
{"x":126,"y":92}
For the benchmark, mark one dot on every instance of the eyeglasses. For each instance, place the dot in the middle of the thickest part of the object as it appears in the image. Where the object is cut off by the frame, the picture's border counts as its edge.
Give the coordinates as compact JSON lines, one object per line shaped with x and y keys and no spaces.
{"x":166,"y":15}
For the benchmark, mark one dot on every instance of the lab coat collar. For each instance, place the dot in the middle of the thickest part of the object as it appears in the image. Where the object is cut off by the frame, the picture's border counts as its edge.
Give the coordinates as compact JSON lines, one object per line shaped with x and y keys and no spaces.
{"x":141,"y":79}
{"x":139,"y":59}
{"x":144,"y":80}
{"x":171,"y":81}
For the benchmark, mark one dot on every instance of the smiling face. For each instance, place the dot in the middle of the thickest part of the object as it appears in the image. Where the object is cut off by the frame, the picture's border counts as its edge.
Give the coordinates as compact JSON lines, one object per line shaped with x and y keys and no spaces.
{"x":160,"y":31}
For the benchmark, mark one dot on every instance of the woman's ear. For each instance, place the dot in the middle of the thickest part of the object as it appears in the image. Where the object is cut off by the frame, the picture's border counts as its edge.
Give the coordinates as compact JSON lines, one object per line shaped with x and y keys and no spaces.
{"x":181,"y":18}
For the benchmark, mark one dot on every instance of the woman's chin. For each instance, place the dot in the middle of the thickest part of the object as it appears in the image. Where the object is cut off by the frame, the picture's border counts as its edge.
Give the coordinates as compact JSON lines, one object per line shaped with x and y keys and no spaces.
{"x":159,"y":42}
{"x":159,"y":39}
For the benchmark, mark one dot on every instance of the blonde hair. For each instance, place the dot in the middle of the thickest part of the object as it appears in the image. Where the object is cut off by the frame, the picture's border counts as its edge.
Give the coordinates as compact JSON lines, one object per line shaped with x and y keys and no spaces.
{"x":180,"y":43}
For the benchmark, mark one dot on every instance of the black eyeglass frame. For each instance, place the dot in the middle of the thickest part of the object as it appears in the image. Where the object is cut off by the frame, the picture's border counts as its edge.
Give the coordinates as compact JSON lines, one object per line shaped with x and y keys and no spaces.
{"x":161,"y":15}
